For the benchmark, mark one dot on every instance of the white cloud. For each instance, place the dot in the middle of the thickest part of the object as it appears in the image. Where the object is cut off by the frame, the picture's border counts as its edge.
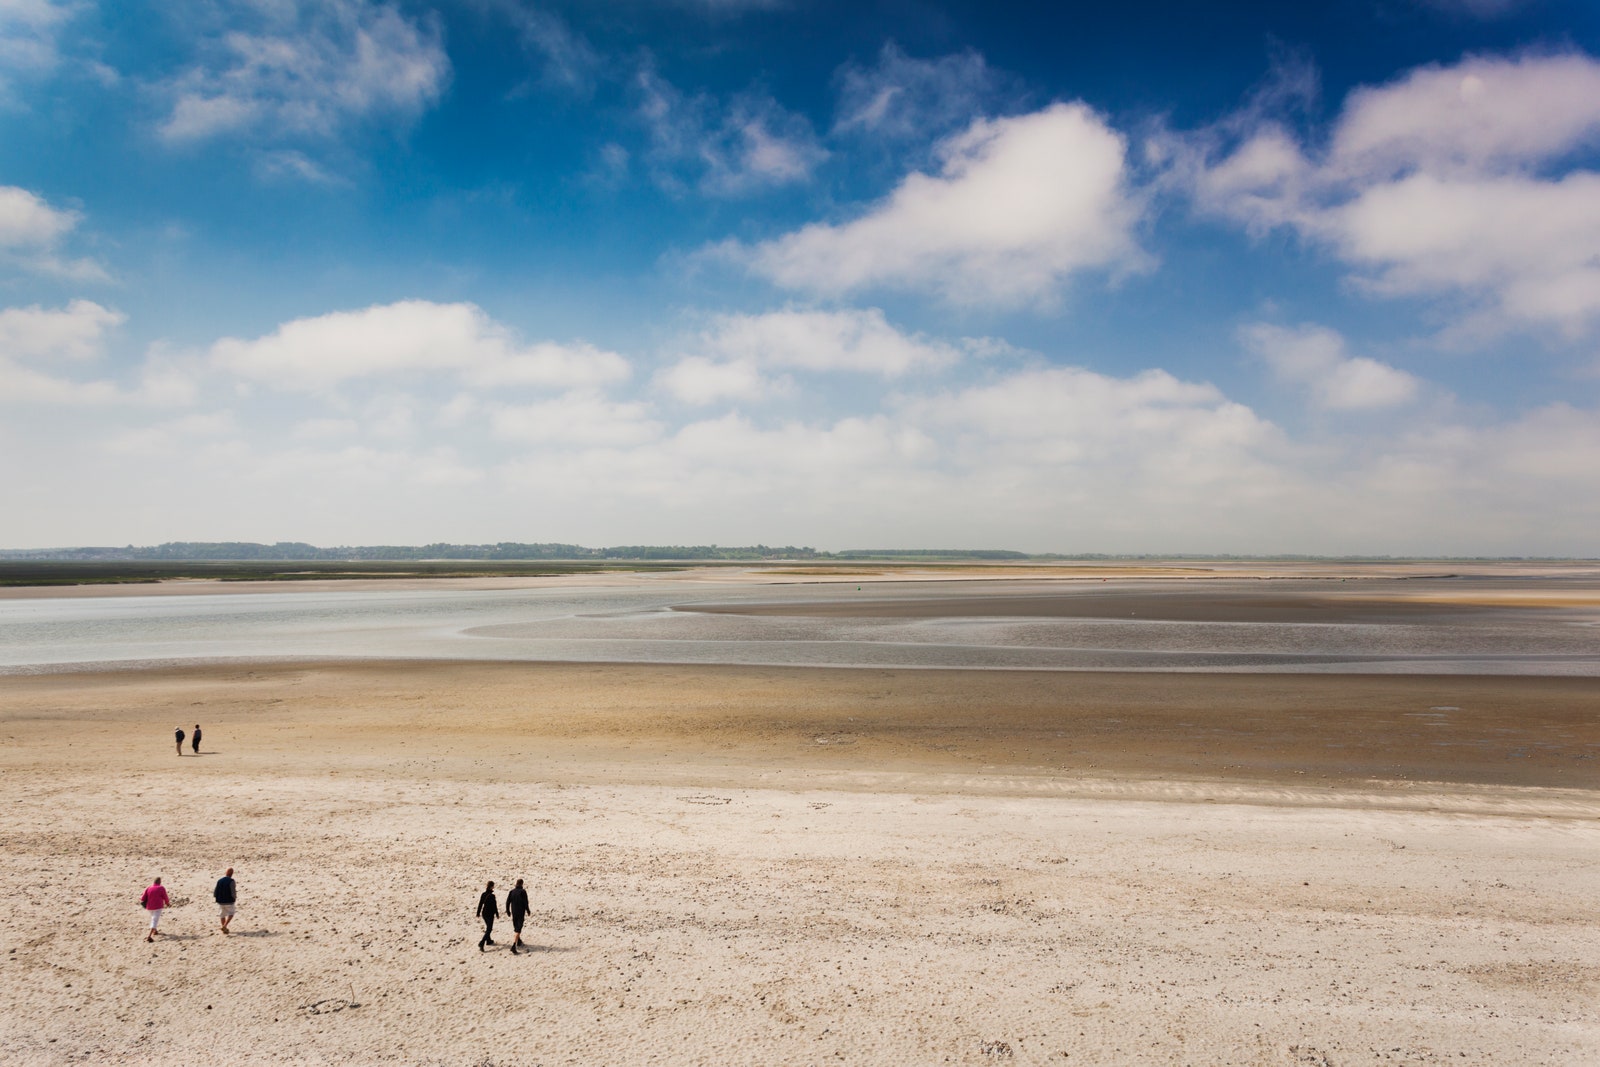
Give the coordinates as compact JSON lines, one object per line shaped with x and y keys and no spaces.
{"x":750,"y":144}
{"x":568,"y":60}
{"x":1481,"y":9}
{"x":40,"y":349}
{"x":1480,"y":114}
{"x":409,"y":337}
{"x":320,"y":429}
{"x":732,"y":355}
{"x":31,"y":234}
{"x":29,"y":37}
{"x":582,"y":418}
{"x":296,"y":166}
{"x":859,"y":340}
{"x":1019,"y":206}
{"x":1314,"y":358}
{"x":75,"y":333}
{"x":1531,"y":247}
{"x":307,"y":70}
{"x":699,"y":380}
{"x":172,"y":437}
{"x":900,"y":97}
{"x":1452,"y":181}
{"x":1039,"y":457}
{"x":1068,"y":417}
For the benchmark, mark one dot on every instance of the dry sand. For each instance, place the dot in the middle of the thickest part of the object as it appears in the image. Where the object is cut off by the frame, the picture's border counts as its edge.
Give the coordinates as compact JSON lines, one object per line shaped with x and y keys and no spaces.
{"x":802,"y":866}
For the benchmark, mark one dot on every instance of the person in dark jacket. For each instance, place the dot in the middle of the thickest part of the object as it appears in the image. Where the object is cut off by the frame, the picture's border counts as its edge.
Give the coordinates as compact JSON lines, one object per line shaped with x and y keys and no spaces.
{"x":179,"y":733}
{"x":517,"y":908}
{"x":227,"y":897}
{"x":195,"y":741}
{"x":488,"y":911}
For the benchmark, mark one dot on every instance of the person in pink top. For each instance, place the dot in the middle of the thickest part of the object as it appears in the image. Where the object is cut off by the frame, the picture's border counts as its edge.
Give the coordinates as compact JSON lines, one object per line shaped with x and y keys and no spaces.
{"x":154,"y":901}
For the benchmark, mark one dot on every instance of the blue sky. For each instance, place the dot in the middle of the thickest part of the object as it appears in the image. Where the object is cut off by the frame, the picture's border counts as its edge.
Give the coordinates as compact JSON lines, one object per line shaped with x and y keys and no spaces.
{"x":1140,"y":278}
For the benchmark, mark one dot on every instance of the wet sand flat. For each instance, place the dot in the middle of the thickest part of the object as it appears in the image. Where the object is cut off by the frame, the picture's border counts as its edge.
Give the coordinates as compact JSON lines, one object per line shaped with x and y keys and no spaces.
{"x":1208,"y":600}
{"x":771,"y":865}
{"x":758,"y":724}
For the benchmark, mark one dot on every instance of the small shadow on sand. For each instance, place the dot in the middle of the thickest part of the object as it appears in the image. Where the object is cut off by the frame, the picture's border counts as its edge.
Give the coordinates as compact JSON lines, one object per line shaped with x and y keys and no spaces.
{"x":164,"y":936}
{"x":256,"y":933}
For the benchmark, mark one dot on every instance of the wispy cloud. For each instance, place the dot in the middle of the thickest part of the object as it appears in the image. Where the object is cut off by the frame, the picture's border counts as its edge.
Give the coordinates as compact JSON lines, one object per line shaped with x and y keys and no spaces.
{"x":900,"y":97}
{"x":724,"y":149}
{"x":306,"y":71}
{"x":30,"y":33}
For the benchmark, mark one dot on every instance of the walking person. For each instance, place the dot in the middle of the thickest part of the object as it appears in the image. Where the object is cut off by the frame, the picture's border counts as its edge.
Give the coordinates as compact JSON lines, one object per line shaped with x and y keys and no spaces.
{"x":154,"y":902}
{"x":179,"y":733}
{"x":488,"y":911}
{"x":227,"y":898}
{"x":196,"y":741}
{"x":517,"y":908}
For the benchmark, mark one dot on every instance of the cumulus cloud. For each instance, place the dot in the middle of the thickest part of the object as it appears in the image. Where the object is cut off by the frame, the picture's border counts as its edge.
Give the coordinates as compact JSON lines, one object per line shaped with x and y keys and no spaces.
{"x":1453,"y":181}
{"x":746,"y":145}
{"x":734,"y":356}
{"x":582,"y":418}
{"x":1036,"y":456}
{"x":701,"y":380}
{"x":860,"y":340}
{"x":1315,"y":359}
{"x":307,"y":70}
{"x":414,"y":336}
{"x":75,"y":333}
{"x":1019,"y":206}
{"x":1480,"y":114}
{"x":1060,"y":419}
{"x":900,"y":97}
{"x":32,"y":233}
{"x":43,"y":351}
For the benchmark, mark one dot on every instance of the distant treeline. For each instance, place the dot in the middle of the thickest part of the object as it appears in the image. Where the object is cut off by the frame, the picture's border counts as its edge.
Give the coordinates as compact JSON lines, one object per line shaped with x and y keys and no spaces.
{"x":298,"y":551}
{"x":514,"y":551}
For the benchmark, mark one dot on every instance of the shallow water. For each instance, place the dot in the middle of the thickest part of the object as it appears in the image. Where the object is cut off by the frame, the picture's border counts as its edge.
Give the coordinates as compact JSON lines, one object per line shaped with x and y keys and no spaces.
{"x":640,"y":625}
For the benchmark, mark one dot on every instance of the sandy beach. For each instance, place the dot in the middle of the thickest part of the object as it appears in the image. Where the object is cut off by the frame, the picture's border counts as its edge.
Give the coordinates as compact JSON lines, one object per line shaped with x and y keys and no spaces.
{"x":769,"y":865}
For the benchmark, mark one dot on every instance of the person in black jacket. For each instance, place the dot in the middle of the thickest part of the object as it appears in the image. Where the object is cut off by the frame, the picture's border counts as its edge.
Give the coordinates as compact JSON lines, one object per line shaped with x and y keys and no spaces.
{"x":227,"y":897}
{"x":488,"y":911}
{"x":195,"y":742}
{"x":517,"y":908}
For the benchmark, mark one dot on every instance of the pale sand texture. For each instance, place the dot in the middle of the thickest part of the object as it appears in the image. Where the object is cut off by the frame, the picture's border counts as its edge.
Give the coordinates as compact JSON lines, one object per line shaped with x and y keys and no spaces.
{"x":788,"y":866}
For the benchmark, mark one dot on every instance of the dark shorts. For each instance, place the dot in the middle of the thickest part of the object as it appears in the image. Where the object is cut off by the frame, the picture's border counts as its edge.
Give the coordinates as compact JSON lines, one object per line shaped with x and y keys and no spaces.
{"x":516,"y":922}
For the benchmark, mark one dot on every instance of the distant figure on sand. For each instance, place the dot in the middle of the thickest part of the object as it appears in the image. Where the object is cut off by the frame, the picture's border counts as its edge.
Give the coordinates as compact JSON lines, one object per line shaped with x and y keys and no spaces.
{"x":488,"y":911}
{"x":179,"y":732}
{"x":154,"y":901}
{"x":227,"y":896}
{"x":517,"y":908}
{"x":196,"y":741}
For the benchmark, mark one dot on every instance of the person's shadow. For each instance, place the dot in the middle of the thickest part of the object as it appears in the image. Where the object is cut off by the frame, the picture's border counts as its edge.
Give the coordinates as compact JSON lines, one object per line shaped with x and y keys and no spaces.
{"x":256,"y":933}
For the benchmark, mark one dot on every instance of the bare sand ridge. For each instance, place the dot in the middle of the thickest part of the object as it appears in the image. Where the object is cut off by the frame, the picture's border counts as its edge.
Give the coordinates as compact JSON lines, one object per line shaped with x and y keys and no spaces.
{"x":763,"y":865}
